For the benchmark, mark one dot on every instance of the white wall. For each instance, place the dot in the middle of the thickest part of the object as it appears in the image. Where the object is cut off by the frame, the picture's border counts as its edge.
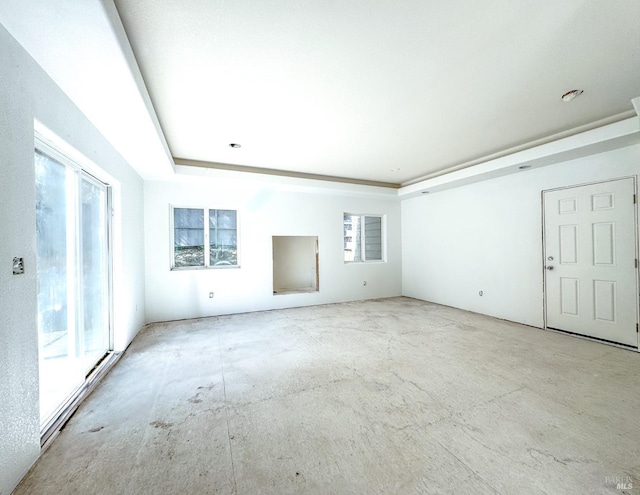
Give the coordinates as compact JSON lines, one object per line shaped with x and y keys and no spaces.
{"x":488,"y":237}
{"x":262,"y":213}
{"x":27,"y":93}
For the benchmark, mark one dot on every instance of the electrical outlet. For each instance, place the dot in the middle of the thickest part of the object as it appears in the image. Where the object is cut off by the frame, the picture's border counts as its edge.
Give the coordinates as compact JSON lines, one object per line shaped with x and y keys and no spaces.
{"x":364,"y":283}
{"x":210,"y":295}
{"x":481,"y":293}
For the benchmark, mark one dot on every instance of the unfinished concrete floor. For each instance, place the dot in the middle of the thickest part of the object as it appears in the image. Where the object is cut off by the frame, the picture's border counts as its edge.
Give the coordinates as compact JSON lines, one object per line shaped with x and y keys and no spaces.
{"x":393,"y":396}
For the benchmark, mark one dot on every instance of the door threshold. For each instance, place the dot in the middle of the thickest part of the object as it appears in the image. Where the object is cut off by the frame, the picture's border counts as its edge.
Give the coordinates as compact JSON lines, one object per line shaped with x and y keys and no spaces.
{"x":52,"y":428}
{"x":595,"y":339}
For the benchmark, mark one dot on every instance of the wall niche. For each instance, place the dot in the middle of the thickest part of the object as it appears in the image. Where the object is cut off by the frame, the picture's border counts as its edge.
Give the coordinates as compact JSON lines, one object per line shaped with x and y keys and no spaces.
{"x":295,"y":264}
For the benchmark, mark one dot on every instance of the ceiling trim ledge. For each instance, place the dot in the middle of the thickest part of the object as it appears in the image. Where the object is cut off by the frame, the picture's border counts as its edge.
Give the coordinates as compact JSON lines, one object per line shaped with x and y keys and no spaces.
{"x":281,"y":173}
{"x":606,"y":138}
{"x":239,"y":178}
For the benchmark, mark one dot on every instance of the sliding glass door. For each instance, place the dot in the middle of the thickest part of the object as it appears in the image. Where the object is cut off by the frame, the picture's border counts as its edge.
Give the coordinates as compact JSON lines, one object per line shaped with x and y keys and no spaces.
{"x":72,"y":225}
{"x":94,"y":283}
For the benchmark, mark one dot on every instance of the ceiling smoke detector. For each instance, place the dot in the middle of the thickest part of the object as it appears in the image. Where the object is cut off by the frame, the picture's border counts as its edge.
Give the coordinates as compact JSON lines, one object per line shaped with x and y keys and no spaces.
{"x":571,"y":95}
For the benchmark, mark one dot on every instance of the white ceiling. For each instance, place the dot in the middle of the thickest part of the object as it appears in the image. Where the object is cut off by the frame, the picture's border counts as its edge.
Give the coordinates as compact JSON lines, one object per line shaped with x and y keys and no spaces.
{"x":82,"y":45}
{"x":374,"y":90}
{"x":360,"y":89}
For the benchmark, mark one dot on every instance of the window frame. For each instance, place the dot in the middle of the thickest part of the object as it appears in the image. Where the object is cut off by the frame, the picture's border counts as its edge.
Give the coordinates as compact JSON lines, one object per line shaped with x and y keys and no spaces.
{"x":383,"y":237}
{"x":207,"y":247}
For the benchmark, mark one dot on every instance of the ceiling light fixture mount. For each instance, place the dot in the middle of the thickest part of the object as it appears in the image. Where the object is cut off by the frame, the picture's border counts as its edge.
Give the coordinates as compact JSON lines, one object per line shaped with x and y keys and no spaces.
{"x":572,"y":95}
{"x":235,"y":145}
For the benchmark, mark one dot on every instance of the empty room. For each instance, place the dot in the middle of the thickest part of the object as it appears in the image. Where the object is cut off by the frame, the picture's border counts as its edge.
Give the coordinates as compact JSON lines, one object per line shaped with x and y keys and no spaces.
{"x":319,"y":247}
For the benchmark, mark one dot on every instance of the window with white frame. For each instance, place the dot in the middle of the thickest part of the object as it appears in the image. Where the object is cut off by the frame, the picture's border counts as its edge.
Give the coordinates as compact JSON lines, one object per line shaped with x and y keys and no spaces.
{"x":204,"y":237}
{"x":363,"y":238}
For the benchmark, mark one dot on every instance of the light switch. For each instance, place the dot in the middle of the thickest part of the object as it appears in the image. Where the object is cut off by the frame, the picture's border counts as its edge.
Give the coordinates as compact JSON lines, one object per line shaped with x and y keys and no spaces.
{"x":18,"y":266}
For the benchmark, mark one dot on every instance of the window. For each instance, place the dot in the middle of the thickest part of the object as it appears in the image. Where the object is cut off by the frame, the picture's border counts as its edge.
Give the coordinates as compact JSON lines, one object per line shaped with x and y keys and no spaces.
{"x":195,"y":228}
{"x":363,"y":238}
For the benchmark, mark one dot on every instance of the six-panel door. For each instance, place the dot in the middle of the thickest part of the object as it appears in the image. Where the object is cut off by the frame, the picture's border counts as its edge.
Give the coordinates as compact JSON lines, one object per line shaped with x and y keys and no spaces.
{"x":590,"y":258}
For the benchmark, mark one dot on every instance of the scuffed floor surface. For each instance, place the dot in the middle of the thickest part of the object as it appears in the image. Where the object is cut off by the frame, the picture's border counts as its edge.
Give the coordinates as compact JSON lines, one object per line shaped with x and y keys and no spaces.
{"x":393,"y":396}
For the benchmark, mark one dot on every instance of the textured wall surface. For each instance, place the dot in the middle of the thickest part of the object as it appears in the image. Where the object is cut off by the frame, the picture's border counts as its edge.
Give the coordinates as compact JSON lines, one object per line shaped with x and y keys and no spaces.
{"x":488,"y":237}
{"x":28,"y":94}
{"x":262,"y":213}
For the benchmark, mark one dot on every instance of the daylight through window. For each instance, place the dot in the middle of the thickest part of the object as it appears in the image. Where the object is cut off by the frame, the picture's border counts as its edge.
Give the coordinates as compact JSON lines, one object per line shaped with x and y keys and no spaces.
{"x":363,"y":238}
{"x":195,"y":228}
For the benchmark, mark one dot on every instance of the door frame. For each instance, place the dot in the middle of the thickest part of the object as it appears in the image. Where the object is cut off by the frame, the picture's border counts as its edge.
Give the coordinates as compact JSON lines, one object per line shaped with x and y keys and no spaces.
{"x":59,"y":150}
{"x":90,"y":177}
{"x":636,"y":234}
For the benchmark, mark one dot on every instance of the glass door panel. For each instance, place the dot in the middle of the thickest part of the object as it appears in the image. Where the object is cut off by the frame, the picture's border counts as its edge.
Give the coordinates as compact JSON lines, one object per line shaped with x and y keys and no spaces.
{"x":94,"y":341}
{"x":73,"y":272}
{"x":55,"y":204}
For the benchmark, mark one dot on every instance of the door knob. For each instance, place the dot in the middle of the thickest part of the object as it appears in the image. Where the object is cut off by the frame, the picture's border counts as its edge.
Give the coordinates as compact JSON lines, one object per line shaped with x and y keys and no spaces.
{"x":550,"y":267}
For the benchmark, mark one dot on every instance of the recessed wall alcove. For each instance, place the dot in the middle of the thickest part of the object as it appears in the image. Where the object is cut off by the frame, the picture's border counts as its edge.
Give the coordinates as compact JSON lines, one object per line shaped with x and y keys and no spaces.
{"x":295,"y":264}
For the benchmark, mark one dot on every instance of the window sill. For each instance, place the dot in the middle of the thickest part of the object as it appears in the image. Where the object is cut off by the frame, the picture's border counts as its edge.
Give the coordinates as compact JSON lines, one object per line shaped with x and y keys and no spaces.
{"x":372,"y":262}
{"x":215,"y":267}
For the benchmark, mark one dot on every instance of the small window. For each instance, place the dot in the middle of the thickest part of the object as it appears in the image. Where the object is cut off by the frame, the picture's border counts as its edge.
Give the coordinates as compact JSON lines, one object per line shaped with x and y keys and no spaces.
{"x":363,"y":238}
{"x":197,"y":228}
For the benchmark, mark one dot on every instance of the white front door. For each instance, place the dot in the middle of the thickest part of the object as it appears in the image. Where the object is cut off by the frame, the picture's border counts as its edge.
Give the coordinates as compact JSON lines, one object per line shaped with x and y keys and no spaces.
{"x":590,"y":261}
